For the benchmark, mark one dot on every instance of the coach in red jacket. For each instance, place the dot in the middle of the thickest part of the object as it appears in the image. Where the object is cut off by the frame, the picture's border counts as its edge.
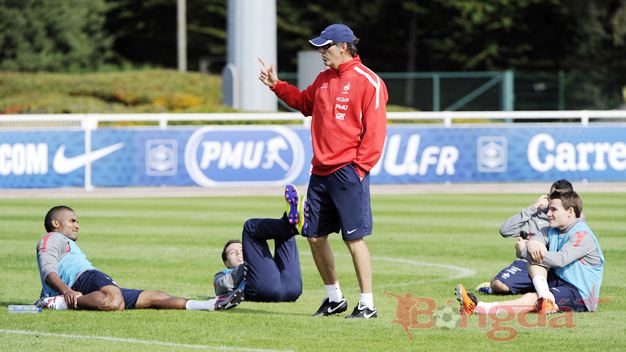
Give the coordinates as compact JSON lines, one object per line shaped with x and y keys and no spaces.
{"x":347,"y":104}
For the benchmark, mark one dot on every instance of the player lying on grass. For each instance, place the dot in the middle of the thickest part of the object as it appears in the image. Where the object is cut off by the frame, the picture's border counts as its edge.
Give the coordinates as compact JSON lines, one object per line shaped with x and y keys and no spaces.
{"x":70,"y":281}
{"x":531,"y":222}
{"x":251,"y":267}
{"x":573,"y":256}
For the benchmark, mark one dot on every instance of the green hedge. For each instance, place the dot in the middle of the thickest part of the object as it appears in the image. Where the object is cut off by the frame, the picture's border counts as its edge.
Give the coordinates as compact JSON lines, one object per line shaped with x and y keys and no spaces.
{"x":117,"y":92}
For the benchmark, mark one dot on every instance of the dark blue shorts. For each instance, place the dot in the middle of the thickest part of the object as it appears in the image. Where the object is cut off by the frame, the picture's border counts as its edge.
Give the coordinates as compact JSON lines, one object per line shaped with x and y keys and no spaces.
{"x":93,"y":280}
{"x":339,"y":201}
{"x":516,"y":278}
{"x":565,"y":294}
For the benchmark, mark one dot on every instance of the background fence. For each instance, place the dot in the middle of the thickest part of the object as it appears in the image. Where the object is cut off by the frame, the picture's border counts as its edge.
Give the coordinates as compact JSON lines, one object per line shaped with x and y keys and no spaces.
{"x":494,"y":90}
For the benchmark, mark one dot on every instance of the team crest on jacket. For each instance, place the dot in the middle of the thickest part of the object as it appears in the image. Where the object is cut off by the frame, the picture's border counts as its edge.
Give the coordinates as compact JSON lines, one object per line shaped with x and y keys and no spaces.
{"x":346,"y":88}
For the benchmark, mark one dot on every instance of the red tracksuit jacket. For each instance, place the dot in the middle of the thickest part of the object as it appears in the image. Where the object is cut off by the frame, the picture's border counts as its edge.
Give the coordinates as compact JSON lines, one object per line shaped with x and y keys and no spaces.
{"x":349,"y":117}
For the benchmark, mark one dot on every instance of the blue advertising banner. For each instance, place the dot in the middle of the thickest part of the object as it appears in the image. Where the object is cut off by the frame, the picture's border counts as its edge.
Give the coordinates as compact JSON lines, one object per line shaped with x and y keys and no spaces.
{"x":42,"y":159}
{"x":275,"y":155}
{"x":502,"y":154}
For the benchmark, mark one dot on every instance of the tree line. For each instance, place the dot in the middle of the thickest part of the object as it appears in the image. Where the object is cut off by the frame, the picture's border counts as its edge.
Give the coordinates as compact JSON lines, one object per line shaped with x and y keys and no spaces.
{"x":587,"y":36}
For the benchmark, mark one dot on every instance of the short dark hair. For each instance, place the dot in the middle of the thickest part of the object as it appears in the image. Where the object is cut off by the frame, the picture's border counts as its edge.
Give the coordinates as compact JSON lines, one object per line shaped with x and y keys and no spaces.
{"x":569,"y":199}
{"x":228,"y":243}
{"x":561,"y":185}
{"x":52,"y":214}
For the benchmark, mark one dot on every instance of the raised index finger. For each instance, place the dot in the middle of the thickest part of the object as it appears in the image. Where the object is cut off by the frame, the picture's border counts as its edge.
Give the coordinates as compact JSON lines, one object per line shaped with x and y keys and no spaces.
{"x":261,"y":61}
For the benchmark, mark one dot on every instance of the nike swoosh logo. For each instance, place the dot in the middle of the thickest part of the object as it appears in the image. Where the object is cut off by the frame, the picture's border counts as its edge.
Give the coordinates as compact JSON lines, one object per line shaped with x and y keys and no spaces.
{"x":331,"y":310}
{"x":351,"y":231}
{"x":368,"y":315}
{"x":63,"y":165}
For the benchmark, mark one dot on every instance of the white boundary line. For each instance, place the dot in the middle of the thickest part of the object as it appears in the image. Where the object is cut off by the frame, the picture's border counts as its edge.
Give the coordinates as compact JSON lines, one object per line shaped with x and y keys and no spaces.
{"x":137,"y":341}
{"x":460,"y":272}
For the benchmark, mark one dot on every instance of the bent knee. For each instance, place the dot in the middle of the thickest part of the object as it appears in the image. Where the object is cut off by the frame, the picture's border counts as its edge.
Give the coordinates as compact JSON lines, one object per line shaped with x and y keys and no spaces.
{"x":249,"y":226}
{"x":292,"y":295}
{"x":499,"y":287}
{"x":112,"y":303}
{"x":317,"y":241}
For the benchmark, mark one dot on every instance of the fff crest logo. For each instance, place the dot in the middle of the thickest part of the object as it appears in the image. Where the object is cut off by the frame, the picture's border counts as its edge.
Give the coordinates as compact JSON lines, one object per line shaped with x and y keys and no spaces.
{"x":244,"y":155}
{"x":492,"y":154}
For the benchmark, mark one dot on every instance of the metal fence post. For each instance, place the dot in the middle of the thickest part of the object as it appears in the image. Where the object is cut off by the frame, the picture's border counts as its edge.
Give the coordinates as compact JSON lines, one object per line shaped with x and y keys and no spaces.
{"x":561,"y":105}
{"x":436,"y":93}
{"x":507,"y":92}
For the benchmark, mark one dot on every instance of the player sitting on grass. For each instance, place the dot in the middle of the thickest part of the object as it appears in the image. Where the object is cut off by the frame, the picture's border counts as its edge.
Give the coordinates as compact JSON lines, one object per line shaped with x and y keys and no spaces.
{"x":70,"y":281}
{"x":531,"y":222}
{"x":250,"y":266}
{"x":573,"y":255}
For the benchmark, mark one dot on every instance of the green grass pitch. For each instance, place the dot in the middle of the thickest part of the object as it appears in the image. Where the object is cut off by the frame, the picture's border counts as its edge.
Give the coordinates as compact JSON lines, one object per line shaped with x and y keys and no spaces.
{"x":422,"y":245}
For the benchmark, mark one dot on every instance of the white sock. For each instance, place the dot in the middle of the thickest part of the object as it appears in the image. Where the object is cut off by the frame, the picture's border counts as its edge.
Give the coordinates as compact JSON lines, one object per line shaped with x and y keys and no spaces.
{"x":200,"y":305}
{"x":367,"y":299}
{"x":541,"y":286}
{"x":484,"y":307}
{"x":334,"y":292}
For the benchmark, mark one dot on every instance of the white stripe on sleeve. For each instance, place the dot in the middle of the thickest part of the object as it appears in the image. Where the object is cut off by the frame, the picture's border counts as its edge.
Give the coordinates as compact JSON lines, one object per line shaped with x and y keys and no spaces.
{"x":375,"y":83}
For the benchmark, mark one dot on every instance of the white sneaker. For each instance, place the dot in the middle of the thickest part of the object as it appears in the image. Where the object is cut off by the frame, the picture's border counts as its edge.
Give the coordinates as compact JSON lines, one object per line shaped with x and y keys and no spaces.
{"x":53,"y":302}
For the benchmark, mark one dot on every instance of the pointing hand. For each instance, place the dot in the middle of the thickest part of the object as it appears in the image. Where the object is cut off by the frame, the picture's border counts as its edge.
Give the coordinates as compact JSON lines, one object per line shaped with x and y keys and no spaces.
{"x":268,"y":74}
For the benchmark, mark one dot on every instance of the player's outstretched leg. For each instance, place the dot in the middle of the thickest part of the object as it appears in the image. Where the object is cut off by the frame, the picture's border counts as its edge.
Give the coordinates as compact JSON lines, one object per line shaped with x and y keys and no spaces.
{"x":467,"y":300}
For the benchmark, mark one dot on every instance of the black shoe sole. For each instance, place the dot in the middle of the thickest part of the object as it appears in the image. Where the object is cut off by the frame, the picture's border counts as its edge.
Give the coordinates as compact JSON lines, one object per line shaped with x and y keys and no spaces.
{"x":234,"y":301}
{"x":375,"y":315}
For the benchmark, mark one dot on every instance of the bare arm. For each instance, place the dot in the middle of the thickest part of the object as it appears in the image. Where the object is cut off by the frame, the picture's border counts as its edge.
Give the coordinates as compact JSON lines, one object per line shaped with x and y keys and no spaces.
{"x":71,"y":297}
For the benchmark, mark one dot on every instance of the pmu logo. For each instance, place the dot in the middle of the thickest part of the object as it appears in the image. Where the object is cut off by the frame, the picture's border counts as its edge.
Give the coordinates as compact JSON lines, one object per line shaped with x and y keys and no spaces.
{"x":231,"y":155}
